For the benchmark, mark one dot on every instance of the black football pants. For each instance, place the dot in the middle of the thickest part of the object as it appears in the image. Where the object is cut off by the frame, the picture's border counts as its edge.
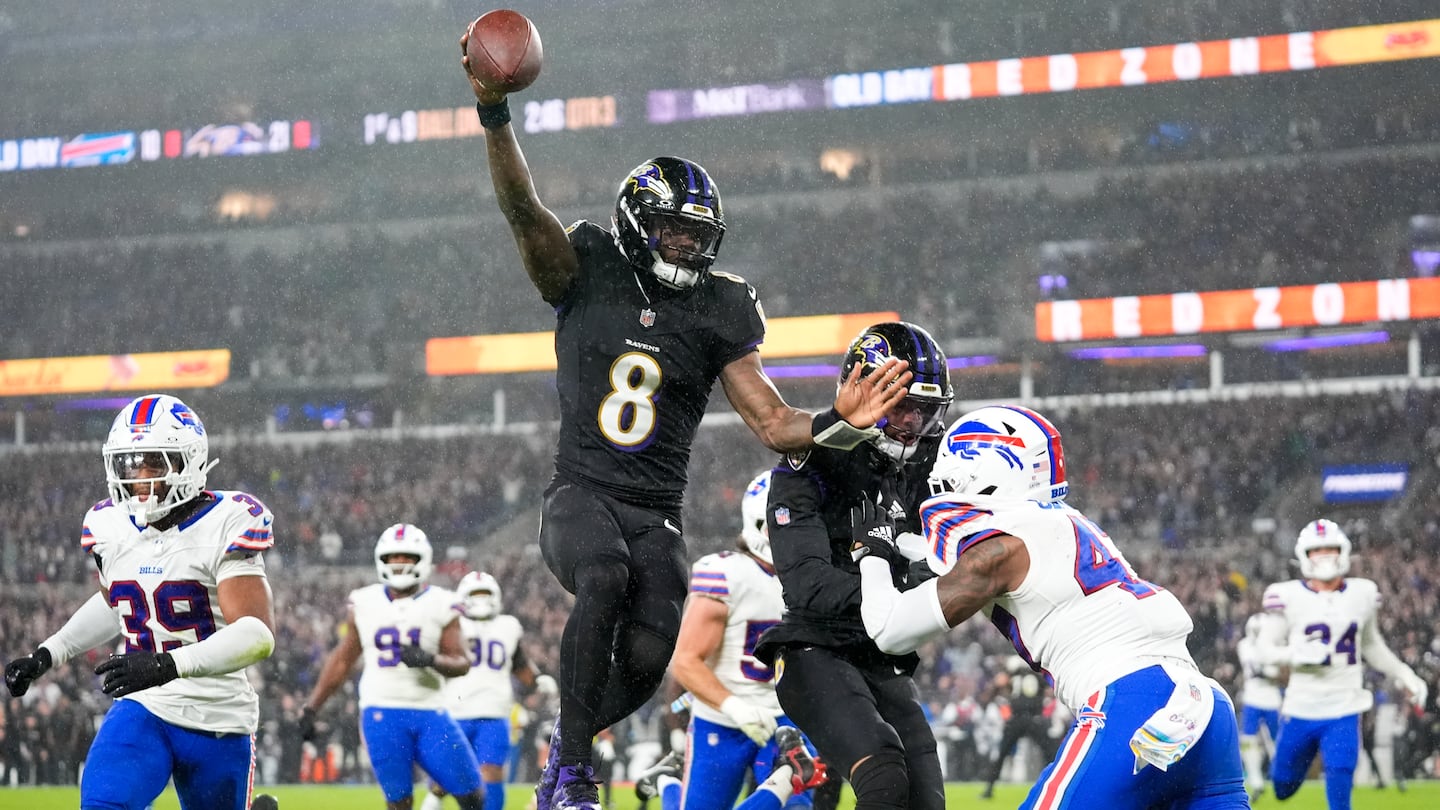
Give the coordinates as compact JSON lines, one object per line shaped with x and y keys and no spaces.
{"x":628,"y":572}
{"x":852,"y":710}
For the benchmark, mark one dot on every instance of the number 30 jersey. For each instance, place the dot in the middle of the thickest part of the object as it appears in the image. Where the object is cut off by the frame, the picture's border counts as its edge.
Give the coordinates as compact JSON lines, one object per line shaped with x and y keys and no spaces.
{"x":386,"y":623}
{"x":486,"y":690}
{"x":1344,"y":621}
{"x":163,"y":587}
{"x":755,"y":603}
{"x":636,"y":364}
{"x":1081,"y":614}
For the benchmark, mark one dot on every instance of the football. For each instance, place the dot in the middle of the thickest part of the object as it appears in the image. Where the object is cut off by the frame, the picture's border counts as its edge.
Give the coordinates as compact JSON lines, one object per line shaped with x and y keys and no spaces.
{"x":504,"y":50}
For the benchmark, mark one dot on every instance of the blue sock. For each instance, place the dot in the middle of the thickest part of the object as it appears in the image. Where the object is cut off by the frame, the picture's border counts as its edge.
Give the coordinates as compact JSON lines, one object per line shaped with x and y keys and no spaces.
{"x":494,"y":796}
{"x":670,"y":789}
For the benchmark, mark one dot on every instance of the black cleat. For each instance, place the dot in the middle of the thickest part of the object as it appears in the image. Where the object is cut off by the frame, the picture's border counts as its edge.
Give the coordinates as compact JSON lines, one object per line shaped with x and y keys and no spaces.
{"x":264,"y":801}
{"x":808,"y":772}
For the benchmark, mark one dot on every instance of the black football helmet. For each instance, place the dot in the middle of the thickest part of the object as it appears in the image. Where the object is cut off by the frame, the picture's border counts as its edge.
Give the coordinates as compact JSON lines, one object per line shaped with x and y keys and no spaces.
{"x":668,"y":221}
{"x":921,"y":414}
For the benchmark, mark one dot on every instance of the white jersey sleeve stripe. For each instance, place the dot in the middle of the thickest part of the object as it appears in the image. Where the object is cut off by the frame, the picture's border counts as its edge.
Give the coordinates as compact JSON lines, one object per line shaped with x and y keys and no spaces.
{"x":712,"y":583}
{"x":252,"y":540}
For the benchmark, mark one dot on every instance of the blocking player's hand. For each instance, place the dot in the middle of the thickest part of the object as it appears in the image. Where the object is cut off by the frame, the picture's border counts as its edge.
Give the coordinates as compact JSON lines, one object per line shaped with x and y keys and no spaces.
{"x":414,"y":656}
{"x":126,"y":674}
{"x":864,"y":401}
{"x":307,"y":723}
{"x":757,"y":723}
{"x":22,"y":672}
{"x":872,"y":531}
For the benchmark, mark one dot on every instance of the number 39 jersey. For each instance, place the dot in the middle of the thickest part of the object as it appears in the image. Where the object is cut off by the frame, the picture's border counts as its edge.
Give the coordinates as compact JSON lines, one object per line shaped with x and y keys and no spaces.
{"x":486,"y":690}
{"x":636,"y":367}
{"x":386,"y":624}
{"x":1344,"y":621}
{"x":1081,"y":614}
{"x":755,"y":603}
{"x":164,"y":588}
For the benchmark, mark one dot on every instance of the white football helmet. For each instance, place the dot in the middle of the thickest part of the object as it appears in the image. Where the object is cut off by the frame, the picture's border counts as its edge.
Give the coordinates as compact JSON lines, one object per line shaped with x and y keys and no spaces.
{"x":156,"y":431}
{"x":752,"y":518}
{"x":1322,"y":534}
{"x":1001,"y":451}
{"x":403,"y":538}
{"x":481,"y":595}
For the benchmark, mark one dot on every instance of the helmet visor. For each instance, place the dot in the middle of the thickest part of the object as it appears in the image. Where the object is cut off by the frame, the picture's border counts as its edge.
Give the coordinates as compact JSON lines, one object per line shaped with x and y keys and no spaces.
{"x":684,"y":240}
{"x":131,"y":465}
{"x":915,"y":418}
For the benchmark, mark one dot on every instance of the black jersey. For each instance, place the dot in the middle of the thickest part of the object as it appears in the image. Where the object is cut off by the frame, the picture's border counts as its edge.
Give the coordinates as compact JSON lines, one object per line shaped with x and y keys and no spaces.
{"x":808,"y":516}
{"x":636,"y":364}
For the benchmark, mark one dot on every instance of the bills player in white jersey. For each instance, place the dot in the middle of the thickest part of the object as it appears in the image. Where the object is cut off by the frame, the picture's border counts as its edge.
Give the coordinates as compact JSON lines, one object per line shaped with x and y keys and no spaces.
{"x":182,"y":582}
{"x":734,"y":598}
{"x":1151,"y":730}
{"x":482,"y":699}
{"x":1324,"y":626}
{"x":1260,"y":697}
{"x":408,"y":633}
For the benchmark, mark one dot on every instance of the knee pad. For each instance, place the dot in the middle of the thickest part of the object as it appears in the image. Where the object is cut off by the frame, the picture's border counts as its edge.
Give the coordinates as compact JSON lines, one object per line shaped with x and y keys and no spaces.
{"x":881,"y":781}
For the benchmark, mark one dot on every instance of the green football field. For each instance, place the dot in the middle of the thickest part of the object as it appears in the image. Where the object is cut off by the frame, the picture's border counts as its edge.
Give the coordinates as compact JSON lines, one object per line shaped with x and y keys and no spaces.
{"x":1421,"y":796}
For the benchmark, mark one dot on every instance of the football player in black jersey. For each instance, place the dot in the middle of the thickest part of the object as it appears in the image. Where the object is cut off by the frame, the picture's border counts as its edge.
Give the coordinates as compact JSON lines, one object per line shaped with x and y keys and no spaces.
{"x":859,"y":706}
{"x":644,"y":329}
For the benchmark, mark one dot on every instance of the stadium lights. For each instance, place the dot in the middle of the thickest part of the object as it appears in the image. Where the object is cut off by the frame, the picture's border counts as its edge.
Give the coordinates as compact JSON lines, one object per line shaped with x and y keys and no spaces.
{"x":1303,"y":344}
{"x":1134,"y":352}
{"x":832,"y":371}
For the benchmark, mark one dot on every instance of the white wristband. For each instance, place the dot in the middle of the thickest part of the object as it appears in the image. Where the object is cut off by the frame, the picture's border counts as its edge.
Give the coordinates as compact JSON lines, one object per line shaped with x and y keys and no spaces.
{"x":238,"y":645}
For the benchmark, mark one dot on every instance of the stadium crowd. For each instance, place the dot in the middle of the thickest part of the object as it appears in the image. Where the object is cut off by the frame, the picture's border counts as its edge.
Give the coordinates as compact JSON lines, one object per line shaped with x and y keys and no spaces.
{"x":1187,"y":509}
{"x":1204,"y":228}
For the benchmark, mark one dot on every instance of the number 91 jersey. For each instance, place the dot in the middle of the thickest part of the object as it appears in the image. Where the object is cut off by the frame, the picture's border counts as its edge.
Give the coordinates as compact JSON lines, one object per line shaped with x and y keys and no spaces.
{"x":386,"y":624}
{"x":163,"y":586}
{"x":1081,"y":614}
{"x":636,"y":366}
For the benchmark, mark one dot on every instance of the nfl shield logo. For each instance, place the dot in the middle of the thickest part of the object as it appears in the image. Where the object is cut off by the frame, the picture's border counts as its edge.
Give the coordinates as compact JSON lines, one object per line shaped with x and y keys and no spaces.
{"x":647,"y":317}
{"x":782,"y":516}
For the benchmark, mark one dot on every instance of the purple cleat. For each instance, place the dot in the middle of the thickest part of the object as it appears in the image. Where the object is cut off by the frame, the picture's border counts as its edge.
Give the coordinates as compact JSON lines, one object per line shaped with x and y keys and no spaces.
{"x":545,"y":787}
{"x":575,"y":789}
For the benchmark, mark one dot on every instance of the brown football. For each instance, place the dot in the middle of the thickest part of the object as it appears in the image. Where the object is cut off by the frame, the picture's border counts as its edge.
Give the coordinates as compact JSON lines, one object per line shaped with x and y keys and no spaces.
{"x":504,"y":50}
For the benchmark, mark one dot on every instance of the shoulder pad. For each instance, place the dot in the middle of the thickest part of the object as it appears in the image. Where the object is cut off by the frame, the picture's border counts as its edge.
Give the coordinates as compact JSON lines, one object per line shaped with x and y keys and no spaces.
{"x":569,"y":229}
{"x":729,"y":277}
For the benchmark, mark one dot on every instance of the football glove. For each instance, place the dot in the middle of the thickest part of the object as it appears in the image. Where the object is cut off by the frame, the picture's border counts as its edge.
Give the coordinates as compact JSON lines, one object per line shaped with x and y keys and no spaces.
{"x":1418,"y":689}
{"x":126,"y":674}
{"x":22,"y":672}
{"x":546,"y":686}
{"x":1310,"y":653}
{"x":757,"y":723}
{"x":872,"y":531}
{"x":414,"y":656}
{"x":306,"y":723}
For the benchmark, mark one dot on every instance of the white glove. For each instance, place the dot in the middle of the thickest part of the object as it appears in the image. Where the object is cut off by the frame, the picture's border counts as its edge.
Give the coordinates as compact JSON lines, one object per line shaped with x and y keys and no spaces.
{"x":757,"y":723}
{"x":1417,"y":688}
{"x":545,"y":685}
{"x":1309,"y":653}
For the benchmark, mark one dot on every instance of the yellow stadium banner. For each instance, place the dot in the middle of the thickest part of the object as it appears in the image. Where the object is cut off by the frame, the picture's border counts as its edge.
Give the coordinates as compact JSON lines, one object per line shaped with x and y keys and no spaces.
{"x":156,"y":371}
{"x":809,"y":336}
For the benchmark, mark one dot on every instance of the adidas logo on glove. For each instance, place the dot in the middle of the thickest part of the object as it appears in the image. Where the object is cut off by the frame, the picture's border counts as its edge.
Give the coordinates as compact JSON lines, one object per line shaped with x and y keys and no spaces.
{"x":886,"y":533}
